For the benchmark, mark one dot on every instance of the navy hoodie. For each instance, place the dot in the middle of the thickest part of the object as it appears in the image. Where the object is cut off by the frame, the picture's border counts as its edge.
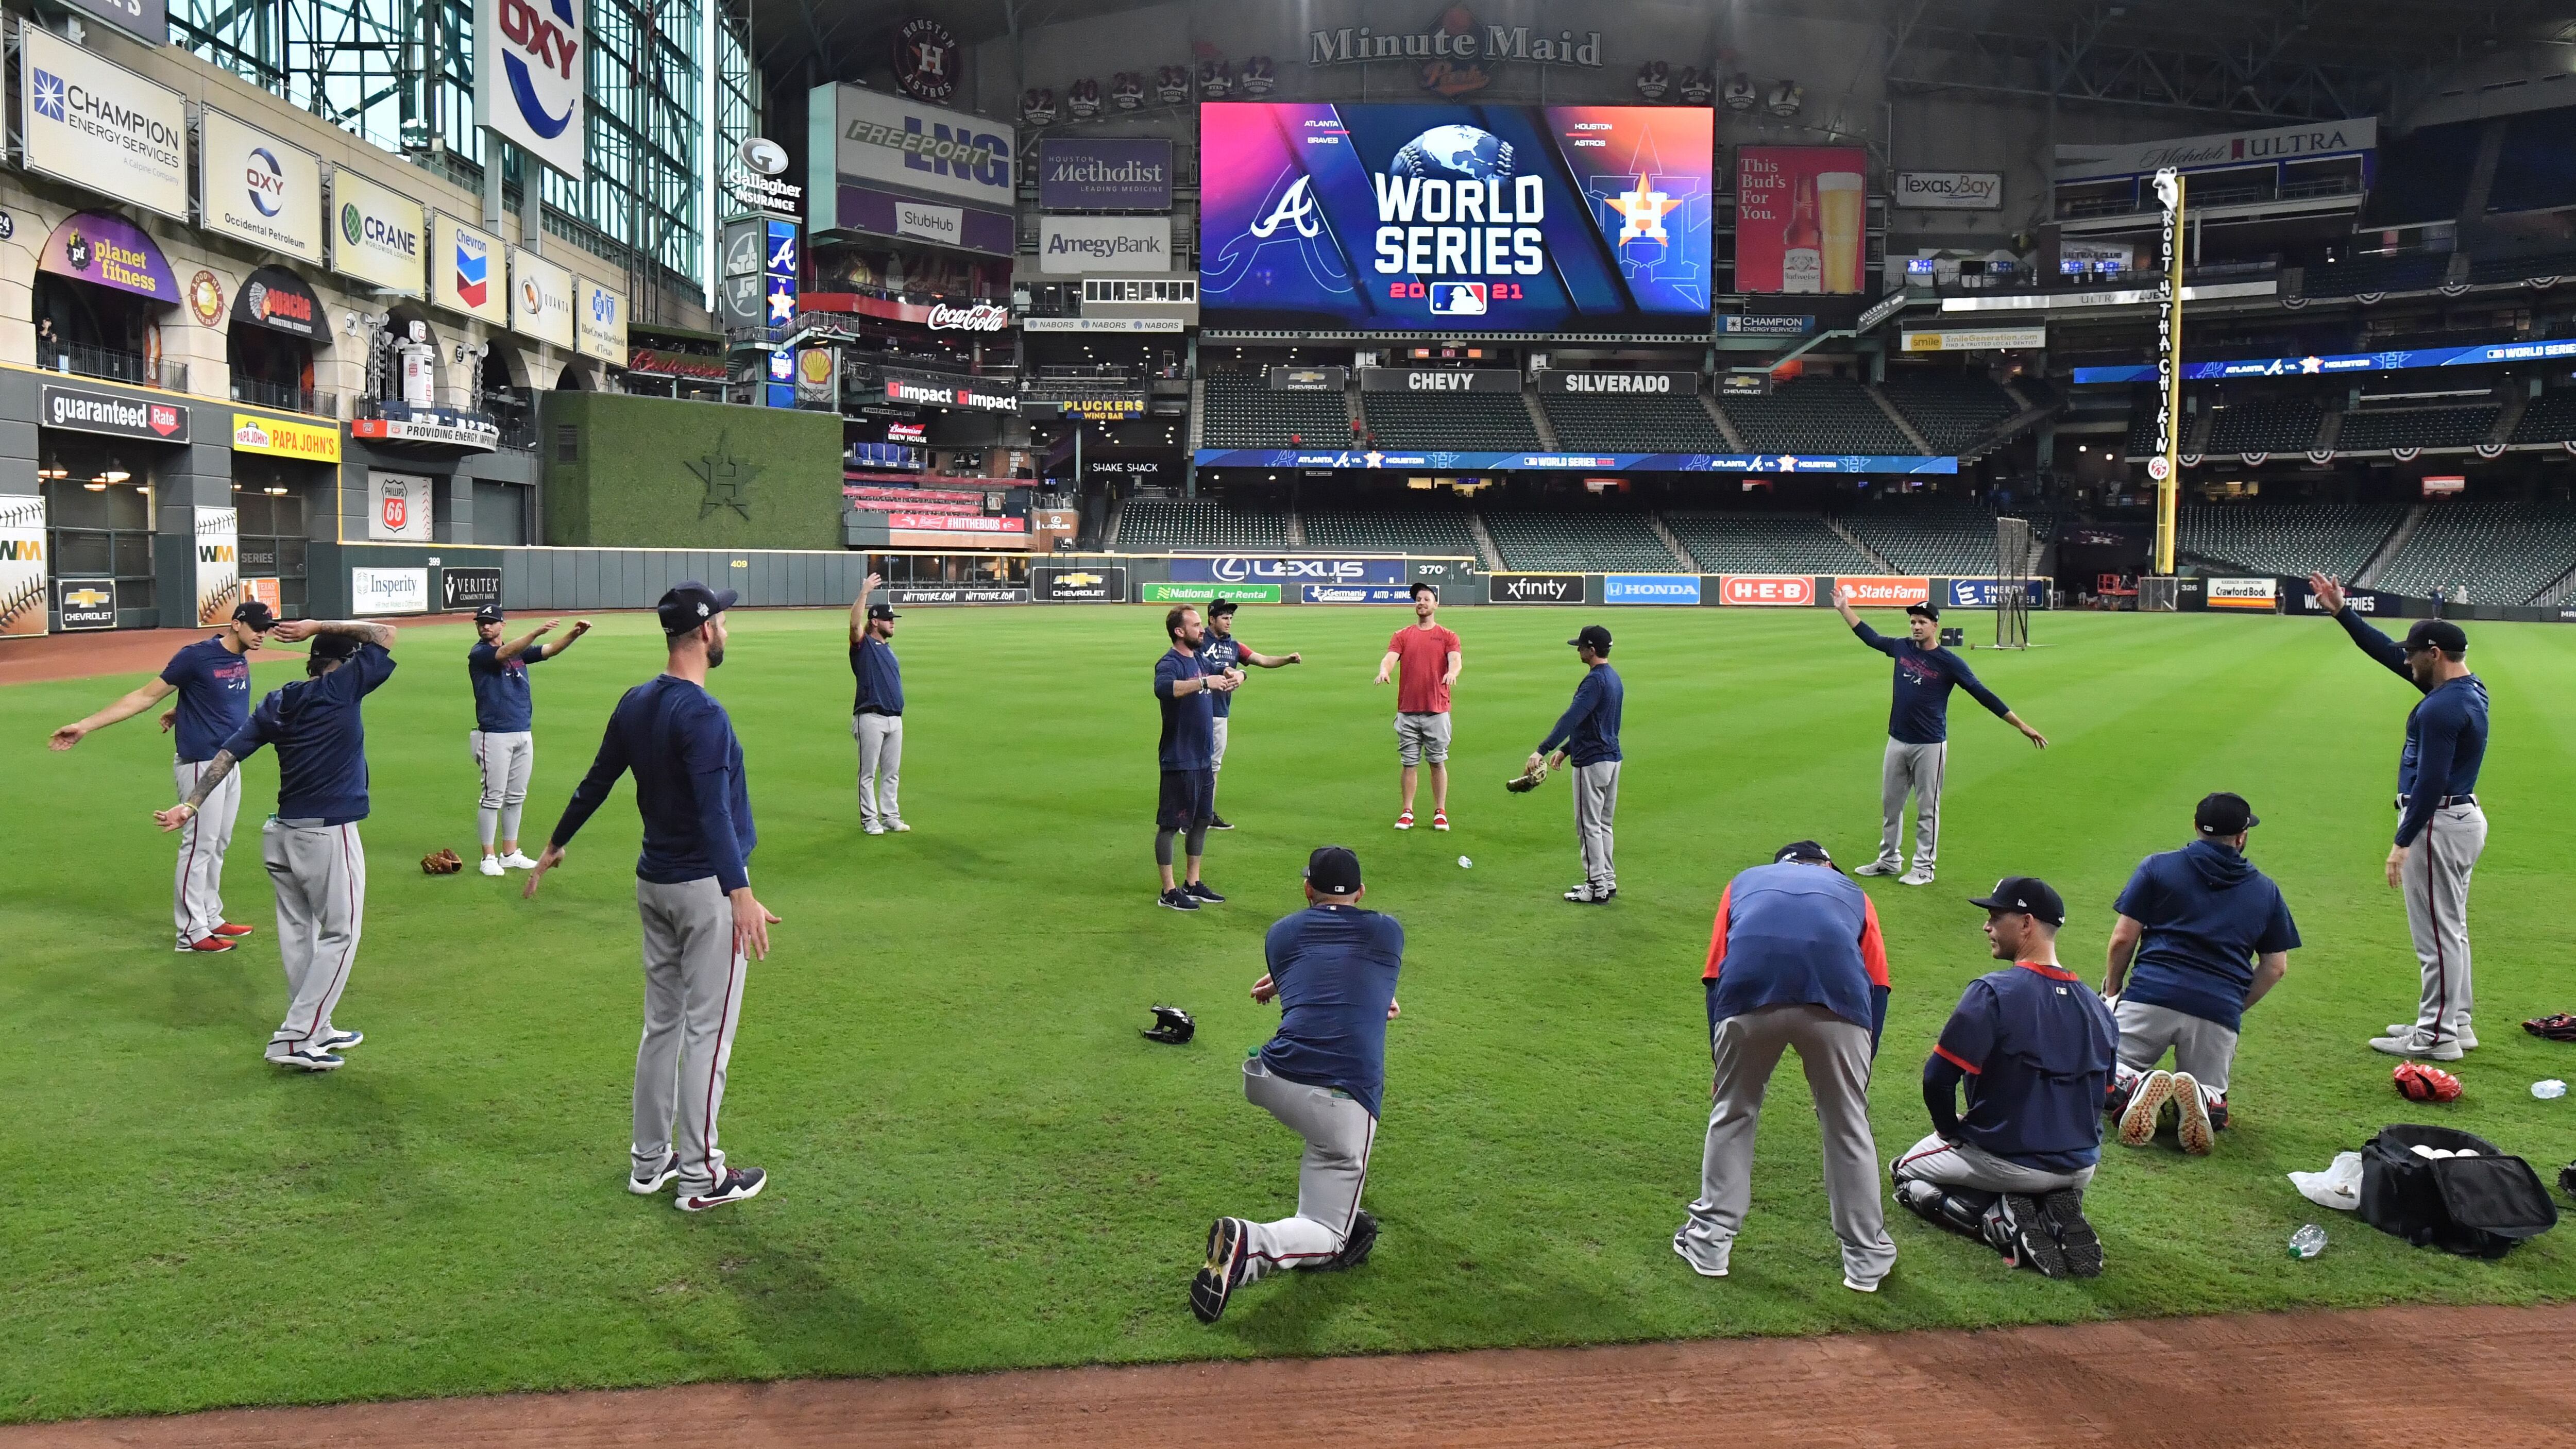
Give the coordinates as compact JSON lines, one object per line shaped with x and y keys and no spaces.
{"x":2208,"y":914}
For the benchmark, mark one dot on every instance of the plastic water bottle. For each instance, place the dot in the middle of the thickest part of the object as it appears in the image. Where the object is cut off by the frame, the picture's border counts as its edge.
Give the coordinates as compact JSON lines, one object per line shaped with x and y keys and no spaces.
{"x":2308,"y":1241}
{"x":2549,"y":1090}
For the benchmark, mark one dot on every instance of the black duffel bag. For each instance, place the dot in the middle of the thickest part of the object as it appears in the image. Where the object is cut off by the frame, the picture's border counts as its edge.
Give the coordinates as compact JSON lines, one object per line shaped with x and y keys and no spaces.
{"x":2478,"y":1207}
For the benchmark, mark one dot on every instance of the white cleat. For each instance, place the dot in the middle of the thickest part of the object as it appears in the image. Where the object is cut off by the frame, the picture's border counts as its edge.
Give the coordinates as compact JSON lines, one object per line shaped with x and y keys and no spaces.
{"x":1916,"y":876}
{"x":491,"y":865}
{"x":518,"y":860}
{"x":898,"y":827}
{"x":2468,"y":1037}
{"x":1881,"y":867}
{"x":2418,"y":1043}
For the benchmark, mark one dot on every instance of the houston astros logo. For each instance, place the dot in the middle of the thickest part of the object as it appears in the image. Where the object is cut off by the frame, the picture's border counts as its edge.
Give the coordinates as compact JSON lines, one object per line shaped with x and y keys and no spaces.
{"x":1642,"y":212}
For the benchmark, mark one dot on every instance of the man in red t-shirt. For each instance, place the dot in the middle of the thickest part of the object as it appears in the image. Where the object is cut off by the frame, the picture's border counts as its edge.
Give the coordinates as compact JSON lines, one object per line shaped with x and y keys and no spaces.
{"x":1430,"y":660}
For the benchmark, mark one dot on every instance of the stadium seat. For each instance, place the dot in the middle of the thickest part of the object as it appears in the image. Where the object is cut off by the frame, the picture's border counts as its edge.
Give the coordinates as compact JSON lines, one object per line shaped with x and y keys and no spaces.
{"x":1580,"y":541}
{"x":1766,"y":543}
{"x":1438,"y":531}
{"x":2486,"y":271}
{"x":2285,"y":538}
{"x":2265,"y":425}
{"x":1950,"y":409}
{"x":1244,"y":411}
{"x":1161,"y":525}
{"x":2500,"y":553}
{"x":2371,"y":429}
{"x":2415,"y":272}
{"x":1482,"y":421}
{"x":1633,"y":424}
{"x":1941,"y":536}
{"x":2549,"y":418}
{"x":1816,"y":415}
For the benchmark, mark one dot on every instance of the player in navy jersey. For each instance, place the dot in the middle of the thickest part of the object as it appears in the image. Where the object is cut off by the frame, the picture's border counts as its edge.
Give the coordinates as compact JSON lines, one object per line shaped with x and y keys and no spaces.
{"x":505,"y":749}
{"x":2034,"y":1047}
{"x":212,"y":680}
{"x":2441,"y":828}
{"x":702,"y":925}
{"x":1221,"y":651}
{"x":1333,"y":969}
{"x":1918,"y":735}
{"x":316,"y":862}
{"x":1186,"y":687}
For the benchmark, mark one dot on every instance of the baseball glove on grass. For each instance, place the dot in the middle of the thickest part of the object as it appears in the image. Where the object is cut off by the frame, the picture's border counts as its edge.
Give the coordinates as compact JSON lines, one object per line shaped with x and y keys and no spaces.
{"x":441,"y":862}
{"x":2417,"y":1082}
{"x":2557,"y":1026}
{"x":1527,"y":781}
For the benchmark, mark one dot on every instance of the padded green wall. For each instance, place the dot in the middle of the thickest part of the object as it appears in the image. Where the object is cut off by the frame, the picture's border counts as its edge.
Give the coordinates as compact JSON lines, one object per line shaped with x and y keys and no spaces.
{"x":639,"y":474}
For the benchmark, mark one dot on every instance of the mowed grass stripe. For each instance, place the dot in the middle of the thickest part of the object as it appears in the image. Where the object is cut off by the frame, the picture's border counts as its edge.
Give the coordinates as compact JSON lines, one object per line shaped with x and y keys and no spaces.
{"x":980,"y":1164}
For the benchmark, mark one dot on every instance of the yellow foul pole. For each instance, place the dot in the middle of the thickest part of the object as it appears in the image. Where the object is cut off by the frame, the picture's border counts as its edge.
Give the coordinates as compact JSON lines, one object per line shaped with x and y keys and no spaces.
{"x":2165,"y":468}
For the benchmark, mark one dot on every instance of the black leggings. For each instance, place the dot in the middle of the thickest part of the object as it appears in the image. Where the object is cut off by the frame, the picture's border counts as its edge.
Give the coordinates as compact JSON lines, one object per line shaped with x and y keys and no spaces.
{"x":1163,"y":844}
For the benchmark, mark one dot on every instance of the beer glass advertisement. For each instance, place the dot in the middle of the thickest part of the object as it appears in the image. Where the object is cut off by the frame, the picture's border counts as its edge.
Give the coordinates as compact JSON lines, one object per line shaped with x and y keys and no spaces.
{"x":1455,"y":217}
{"x":1799,"y":217}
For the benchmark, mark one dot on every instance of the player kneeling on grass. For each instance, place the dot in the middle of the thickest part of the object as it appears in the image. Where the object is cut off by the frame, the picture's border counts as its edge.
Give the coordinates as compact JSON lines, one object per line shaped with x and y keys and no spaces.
{"x":316,"y":862}
{"x":1796,"y":962}
{"x":1332,"y":970}
{"x":2034,"y":1046}
{"x":2202,"y":935}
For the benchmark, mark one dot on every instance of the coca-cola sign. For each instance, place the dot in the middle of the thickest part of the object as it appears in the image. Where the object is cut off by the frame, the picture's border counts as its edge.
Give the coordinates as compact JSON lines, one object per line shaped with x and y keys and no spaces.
{"x":979,"y":317}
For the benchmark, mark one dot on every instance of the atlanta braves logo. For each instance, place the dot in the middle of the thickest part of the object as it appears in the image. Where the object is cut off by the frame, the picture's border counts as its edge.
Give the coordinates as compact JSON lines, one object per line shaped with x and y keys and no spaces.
{"x":1295,"y":208}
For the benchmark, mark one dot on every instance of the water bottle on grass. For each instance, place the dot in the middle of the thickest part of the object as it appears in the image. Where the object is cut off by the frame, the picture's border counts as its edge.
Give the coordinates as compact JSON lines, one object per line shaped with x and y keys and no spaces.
{"x":2308,"y":1241}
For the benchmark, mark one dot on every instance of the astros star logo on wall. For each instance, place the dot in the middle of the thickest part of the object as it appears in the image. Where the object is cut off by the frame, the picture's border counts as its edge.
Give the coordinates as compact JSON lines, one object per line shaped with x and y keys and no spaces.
{"x":728,"y":480}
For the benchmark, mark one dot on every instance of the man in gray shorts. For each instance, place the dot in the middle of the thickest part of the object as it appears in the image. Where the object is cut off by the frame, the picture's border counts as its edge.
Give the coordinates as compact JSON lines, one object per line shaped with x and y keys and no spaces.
{"x":315,"y":860}
{"x":1429,"y":657}
{"x":2201,"y":936}
{"x":702,"y":924}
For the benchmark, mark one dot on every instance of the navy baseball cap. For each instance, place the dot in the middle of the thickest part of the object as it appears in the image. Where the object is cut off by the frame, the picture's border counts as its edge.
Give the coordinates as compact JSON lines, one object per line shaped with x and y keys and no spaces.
{"x":1222,"y":606}
{"x":1927,"y":609}
{"x":1806,"y":851}
{"x":2439,"y":634}
{"x":335,"y":646}
{"x":1333,"y":870}
{"x":489,"y":614}
{"x":2029,"y":895}
{"x":256,"y":614}
{"x":882,"y":611}
{"x":690,"y":604}
{"x":2224,"y":814}
{"x":1592,"y":637}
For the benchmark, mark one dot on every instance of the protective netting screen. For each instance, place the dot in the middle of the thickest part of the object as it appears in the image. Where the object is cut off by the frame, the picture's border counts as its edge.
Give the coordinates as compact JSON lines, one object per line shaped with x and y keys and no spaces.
{"x":2015,"y":556}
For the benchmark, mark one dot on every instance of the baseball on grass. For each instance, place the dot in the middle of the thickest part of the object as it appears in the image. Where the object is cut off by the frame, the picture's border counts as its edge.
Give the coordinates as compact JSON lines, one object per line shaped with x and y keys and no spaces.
{"x":1465,"y":864}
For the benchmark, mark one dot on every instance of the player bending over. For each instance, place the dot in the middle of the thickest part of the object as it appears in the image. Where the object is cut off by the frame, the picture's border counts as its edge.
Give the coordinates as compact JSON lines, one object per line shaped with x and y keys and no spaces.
{"x":316,"y":862}
{"x":702,"y":925}
{"x":212,"y":677}
{"x":2441,"y":831}
{"x":1588,"y":734}
{"x":1332,"y":970}
{"x":1918,"y":734}
{"x":1795,"y":963}
{"x":2035,"y":1047}
{"x":2209,"y":935}
{"x":876,"y":716}
{"x":1223,"y":652}
{"x":1429,"y":657}
{"x":1186,"y":688}
{"x":504,"y":749}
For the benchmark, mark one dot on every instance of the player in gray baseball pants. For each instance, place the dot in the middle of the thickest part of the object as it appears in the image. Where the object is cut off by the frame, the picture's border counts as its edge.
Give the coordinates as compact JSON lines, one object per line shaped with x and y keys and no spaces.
{"x":702,"y":925}
{"x":315,"y":859}
{"x":1588,"y":734}
{"x":876,"y":715}
{"x":505,"y":749}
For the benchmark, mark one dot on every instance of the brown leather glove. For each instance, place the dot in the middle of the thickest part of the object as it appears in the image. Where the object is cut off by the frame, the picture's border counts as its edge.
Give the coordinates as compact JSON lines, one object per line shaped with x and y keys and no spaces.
{"x":441,"y":862}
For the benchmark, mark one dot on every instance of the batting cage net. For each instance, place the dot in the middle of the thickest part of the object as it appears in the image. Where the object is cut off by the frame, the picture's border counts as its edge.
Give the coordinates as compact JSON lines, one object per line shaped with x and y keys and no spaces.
{"x":2015,"y":556}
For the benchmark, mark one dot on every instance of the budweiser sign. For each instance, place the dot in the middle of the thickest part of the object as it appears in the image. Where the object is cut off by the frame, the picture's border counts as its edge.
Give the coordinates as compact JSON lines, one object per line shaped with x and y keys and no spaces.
{"x":980,"y":317}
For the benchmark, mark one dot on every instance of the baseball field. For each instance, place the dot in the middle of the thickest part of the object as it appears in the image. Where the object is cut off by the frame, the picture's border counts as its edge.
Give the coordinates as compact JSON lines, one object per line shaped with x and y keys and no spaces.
{"x":976,"y":1161}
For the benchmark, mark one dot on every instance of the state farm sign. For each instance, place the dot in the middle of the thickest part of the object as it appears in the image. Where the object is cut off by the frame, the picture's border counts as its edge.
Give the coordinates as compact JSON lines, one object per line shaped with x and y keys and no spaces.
{"x":1767,"y":589}
{"x":1876,"y":591}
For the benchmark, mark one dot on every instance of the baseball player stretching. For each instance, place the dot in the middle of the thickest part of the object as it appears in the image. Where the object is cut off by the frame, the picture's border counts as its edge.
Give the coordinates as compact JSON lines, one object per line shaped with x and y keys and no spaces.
{"x":1918,"y":735}
{"x":693,"y":890}
{"x":1223,"y":652}
{"x":2440,"y":829}
{"x":315,"y":860}
{"x":504,"y":749}
{"x":876,"y":716}
{"x":1588,"y":734}
{"x":1430,"y":660}
{"x":1796,"y":961}
{"x":212,"y":678}
{"x":2035,"y":1048}
{"x":1186,"y":689}
{"x":1332,"y":970}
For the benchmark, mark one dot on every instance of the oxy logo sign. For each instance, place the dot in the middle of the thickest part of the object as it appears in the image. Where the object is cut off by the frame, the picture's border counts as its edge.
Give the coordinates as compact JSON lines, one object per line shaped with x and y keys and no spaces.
{"x":265,"y":180}
{"x":534,"y":96}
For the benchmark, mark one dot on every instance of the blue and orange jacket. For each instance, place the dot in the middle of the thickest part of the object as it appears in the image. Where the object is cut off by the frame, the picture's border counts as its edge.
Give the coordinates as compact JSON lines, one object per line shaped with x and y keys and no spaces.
{"x":1792,"y":934}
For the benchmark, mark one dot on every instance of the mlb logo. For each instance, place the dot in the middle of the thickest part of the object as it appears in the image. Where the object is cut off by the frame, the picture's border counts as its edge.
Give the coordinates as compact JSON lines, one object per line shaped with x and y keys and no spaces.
{"x":473,"y":271}
{"x":1457,"y":299}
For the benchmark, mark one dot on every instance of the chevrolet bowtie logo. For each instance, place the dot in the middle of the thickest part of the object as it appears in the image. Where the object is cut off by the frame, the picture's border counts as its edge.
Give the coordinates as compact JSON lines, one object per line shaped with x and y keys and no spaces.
{"x":84,"y":599}
{"x":1078,"y":581}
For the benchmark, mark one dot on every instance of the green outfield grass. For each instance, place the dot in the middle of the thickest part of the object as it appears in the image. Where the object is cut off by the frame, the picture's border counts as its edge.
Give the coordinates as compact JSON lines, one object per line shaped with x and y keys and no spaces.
{"x":977,"y":1163}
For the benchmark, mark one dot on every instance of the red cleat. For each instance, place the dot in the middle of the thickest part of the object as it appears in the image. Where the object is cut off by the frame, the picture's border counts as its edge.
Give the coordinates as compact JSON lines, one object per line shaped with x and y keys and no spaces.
{"x":208,"y":944}
{"x":234,"y":930}
{"x":1439,"y":819}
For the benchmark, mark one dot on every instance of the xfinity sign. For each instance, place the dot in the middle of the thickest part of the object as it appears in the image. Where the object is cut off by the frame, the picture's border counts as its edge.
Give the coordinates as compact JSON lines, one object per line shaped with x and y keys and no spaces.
{"x":533,"y":97}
